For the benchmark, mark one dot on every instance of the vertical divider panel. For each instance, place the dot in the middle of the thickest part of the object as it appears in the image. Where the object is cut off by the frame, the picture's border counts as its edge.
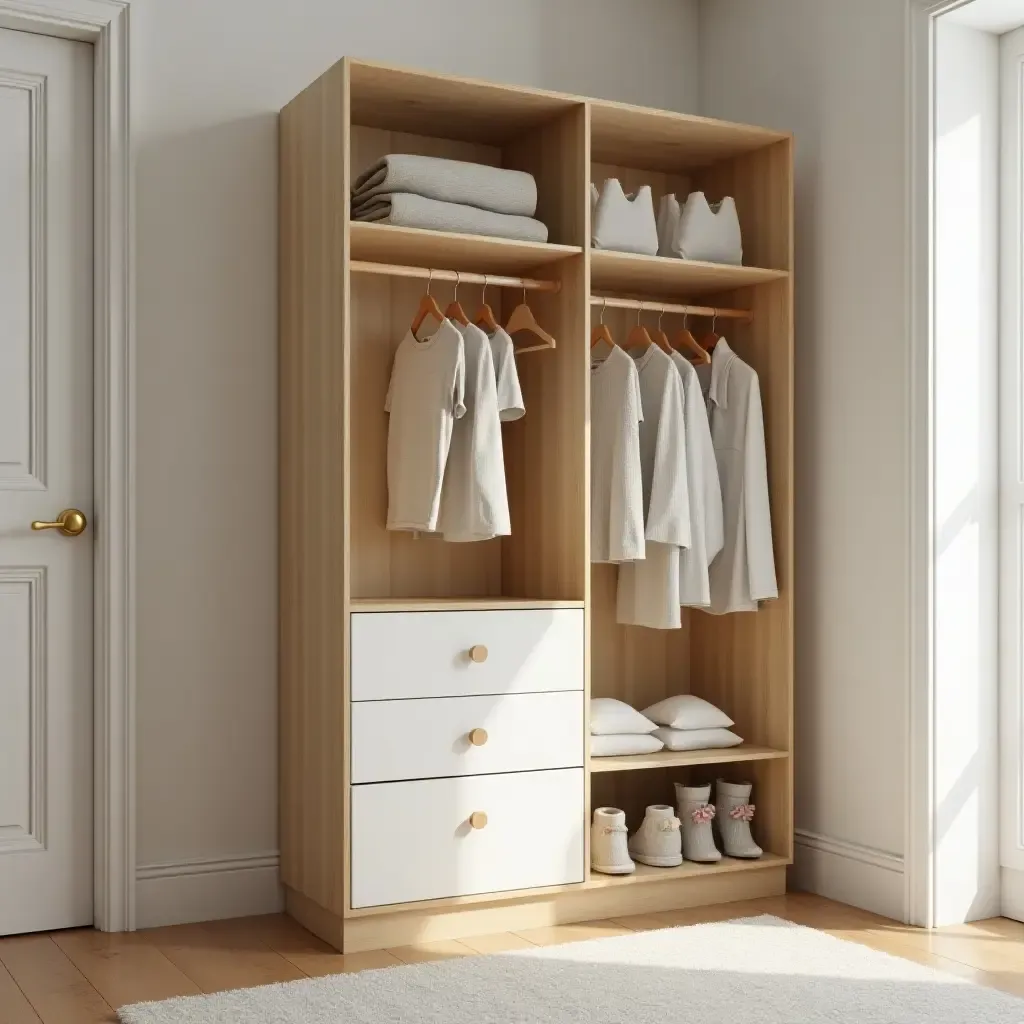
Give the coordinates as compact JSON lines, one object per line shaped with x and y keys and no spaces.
{"x":313,"y":555}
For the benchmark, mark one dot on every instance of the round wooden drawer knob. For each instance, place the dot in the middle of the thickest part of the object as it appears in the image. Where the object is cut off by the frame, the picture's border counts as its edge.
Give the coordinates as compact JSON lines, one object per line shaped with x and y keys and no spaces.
{"x":478,"y":653}
{"x":478,"y":819}
{"x":478,"y":737}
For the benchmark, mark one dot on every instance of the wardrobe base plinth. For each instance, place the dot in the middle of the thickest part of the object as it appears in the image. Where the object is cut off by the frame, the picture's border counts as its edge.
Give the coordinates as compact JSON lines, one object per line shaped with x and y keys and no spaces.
{"x":404,"y":927}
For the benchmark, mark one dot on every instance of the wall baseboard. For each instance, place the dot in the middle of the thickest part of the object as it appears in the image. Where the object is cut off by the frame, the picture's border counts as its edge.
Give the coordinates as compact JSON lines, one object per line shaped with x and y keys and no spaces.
{"x":181,"y":892}
{"x":849,"y":873}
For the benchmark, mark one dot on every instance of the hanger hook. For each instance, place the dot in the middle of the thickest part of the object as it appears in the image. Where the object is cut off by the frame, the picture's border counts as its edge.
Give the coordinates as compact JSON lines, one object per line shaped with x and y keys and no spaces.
{"x":661,"y":313}
{"x":455,"y":297}
{"x":524,"y":293}
{"x":639,"y":310}
{"x":430,"y":276}
{"x":604,"y":303}
{"x":686,"y":314}
{"x":714,"y":320}
{"x":483,"y":297}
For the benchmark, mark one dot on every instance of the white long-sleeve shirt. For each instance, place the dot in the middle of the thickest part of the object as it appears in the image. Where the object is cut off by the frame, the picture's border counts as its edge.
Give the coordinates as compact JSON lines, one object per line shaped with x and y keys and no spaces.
{"x":744,"y":571}
{"x":705,"y":492}
{"x":648,"y":591}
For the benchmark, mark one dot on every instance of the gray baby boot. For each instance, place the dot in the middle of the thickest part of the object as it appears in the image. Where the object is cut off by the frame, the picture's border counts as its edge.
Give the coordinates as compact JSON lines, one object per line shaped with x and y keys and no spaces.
{"x":696,"y":815}
{"x":657,"y":841}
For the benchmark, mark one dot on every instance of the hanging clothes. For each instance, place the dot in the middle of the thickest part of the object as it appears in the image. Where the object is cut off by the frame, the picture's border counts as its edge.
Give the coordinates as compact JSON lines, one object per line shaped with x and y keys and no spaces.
{"x":510,"y":395}
{"x":705,"y":492}
{"x":426,"y":395}
{"x":474,"y":500}
{"x":648,"y":591}
{"x":616,"y":485}
{"x":744,"y":571}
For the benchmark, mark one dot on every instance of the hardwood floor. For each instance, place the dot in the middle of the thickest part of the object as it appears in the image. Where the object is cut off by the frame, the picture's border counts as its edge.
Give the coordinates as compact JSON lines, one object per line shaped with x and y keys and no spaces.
{"x":79,"y":977}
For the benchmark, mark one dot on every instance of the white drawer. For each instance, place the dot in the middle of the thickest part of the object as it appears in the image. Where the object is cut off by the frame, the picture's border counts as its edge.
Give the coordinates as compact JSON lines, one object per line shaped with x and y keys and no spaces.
{"x":397,"y":655}
{"x":423,"y":739}
{"x":414,"y":841}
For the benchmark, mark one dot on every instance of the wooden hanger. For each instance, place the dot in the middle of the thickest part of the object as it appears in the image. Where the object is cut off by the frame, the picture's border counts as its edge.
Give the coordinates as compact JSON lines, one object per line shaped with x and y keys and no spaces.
{"x":428,"y":307}
{"x":522,"y":319}
{"x":455,"y":310}
{"x":660,"y":337}
{"x":600,"y":332}
{"x":684,"y":339}
{"x":638,"y":333}
{"x":485,"y":315}
{"x":711,"y":339}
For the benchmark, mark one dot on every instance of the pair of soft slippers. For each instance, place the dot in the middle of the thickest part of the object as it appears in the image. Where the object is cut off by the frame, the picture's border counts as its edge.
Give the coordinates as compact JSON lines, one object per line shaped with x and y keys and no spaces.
{"x":665,"y":838}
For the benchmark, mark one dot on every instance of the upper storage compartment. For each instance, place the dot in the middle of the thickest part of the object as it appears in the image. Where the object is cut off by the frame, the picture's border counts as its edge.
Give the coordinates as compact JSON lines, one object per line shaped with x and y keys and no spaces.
{"x":399,"y":112}
{"x":678,"y":154}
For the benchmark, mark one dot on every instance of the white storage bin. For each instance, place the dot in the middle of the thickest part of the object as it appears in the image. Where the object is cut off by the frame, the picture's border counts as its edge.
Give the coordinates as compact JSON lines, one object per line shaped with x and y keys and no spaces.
{"x":624,"y":223}
{"x":700,"y":230}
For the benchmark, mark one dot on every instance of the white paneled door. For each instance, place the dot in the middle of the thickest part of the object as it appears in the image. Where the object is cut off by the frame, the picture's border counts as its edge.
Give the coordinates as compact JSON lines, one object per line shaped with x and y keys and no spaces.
{"x":46,"y":467}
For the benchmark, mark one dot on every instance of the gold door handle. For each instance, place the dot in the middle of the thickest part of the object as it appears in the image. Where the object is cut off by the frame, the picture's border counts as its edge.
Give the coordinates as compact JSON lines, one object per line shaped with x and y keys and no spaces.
{"x":478,"y":820}
{"x":478,"y":653}
{"x":478,"y":737}
{"x":70,"y":522}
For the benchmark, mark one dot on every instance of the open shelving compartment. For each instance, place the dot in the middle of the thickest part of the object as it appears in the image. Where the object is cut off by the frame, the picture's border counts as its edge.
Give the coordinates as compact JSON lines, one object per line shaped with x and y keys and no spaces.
{"x":545,"y":451}
{"x":742,"y":662}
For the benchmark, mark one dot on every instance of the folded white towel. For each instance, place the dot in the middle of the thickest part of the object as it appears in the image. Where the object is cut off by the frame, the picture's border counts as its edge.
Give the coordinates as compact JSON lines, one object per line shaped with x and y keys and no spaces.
{"x":411,"y":211}
{"x":497,"y":189}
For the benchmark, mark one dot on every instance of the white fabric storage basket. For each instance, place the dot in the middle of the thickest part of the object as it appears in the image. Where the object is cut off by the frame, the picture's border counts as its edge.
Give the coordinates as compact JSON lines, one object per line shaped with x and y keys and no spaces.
{"x":700,"y":230}
{"x":623,"y":222}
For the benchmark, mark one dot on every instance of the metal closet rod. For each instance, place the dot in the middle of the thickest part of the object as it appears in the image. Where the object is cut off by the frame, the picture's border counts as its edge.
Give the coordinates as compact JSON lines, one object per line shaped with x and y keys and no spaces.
{"x":455,"y":276}
{"x":644,"y":305}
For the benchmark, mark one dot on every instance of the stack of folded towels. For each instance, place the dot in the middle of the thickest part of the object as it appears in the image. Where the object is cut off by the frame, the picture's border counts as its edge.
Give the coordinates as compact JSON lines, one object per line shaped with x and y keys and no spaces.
{"x":413,"y":191}
{"x":678,"y":723}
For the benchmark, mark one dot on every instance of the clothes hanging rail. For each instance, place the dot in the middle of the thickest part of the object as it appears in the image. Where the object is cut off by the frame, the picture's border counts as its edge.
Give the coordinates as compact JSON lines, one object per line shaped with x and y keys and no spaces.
{"x":645,"y":305}
{"x":457,"y":277}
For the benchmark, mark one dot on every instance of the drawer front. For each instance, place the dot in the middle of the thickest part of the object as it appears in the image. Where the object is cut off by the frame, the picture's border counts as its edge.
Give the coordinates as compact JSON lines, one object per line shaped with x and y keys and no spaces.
{"x":414,"y":841}
{"x":424,"y":739}
{"x":397,"y":655}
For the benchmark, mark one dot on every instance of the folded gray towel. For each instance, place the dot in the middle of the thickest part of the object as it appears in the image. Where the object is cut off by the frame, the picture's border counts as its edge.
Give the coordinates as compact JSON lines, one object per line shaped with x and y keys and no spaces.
{"x":411,"y":211}
{"x":451,"y":181}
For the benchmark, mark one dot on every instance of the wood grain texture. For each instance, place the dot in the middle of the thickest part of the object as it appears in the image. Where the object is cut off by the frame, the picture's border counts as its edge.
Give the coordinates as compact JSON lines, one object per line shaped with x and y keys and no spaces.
{"x":446,"y":105}
{"x":313,"y":499}
{"x":667,"y":278}
{"x":14,"y":1006}
{"x":682,"y":758}
{"x":56,"y":989}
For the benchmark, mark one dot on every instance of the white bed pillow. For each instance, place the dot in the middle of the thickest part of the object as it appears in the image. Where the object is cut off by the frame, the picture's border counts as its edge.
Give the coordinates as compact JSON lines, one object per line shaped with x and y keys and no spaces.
{"x":697,"y":739}
{"x":687,"y":712}
{"x":614,"y":717}
{"x":632,"y":743}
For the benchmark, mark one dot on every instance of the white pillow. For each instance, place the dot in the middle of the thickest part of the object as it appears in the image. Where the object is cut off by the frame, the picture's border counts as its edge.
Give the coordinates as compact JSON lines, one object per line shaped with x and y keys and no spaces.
{"x":688,"y":712}
{"x":697,"y":739}
{"x":613,"y":717}
{"x":633,"y":743}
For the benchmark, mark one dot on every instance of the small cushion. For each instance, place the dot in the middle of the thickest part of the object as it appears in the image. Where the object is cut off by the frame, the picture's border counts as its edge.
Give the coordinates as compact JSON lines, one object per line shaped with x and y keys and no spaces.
{"x":609,"y":716}
{"x":688,"y":712}
{"x":632,"y":743}
{"x":697,"y":739}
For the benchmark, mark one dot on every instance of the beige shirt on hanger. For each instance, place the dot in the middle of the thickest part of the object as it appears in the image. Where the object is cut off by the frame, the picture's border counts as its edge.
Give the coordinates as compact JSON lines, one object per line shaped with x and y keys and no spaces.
{"x":648,"y":591}
{"x":616,"y":486}
{"x":474,"y":500}
{"x":425,"y":397}
{"x":744,"y":571}
{"x":705,"y":493}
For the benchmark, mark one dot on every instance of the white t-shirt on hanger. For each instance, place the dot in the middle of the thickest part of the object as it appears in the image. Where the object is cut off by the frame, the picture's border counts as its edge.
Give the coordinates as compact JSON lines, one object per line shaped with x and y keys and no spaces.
{"x":426,"y":395}
{"x":474,"y":501}
{"x":648,"y":591}
{"x":510,"y":397}
{"x":705,"y":493}
{"x":616,"y":487}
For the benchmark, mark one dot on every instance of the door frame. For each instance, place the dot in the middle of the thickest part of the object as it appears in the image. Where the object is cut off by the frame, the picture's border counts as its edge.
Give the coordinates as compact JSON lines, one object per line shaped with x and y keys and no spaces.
{"x":104,"y":24}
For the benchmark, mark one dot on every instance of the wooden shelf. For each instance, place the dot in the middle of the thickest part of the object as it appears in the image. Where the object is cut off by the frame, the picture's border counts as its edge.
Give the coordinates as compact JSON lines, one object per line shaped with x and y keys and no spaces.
{"x":443,"y":250}
{"x":644,"y":873}
{"x":454,"y":604}
{"x":665,"y":276}
{"x":662,"y":140}
{"x":678,"y":758}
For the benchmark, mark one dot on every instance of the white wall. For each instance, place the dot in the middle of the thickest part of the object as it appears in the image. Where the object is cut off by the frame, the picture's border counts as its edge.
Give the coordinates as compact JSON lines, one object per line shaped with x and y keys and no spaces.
{"x":966,"y":471}
{"x":208,"y":79}
{"x":801,"y":65}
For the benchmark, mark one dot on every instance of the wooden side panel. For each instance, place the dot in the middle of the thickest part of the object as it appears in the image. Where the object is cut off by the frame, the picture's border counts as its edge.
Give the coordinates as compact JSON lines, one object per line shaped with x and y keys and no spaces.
{"x":762,"y":184}
{"x":546,"y":458}
{"x":313,"y":194}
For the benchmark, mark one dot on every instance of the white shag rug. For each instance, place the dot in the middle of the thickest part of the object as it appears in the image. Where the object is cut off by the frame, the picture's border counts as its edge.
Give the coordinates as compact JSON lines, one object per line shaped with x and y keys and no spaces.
{"x":759,"y":970}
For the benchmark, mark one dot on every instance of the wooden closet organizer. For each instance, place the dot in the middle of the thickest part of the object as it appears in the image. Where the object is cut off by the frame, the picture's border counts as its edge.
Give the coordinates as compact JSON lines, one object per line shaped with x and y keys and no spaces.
{"x":368,"y":617}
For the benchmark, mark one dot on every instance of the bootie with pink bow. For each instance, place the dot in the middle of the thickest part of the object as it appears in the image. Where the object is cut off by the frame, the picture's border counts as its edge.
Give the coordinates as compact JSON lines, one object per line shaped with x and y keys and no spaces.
{"x":695,"y":815}
{"x":735,"y":812}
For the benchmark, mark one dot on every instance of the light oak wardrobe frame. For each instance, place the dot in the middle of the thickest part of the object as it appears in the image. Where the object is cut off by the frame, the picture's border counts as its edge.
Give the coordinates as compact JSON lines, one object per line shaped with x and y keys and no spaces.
{"x":337,"y":335}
